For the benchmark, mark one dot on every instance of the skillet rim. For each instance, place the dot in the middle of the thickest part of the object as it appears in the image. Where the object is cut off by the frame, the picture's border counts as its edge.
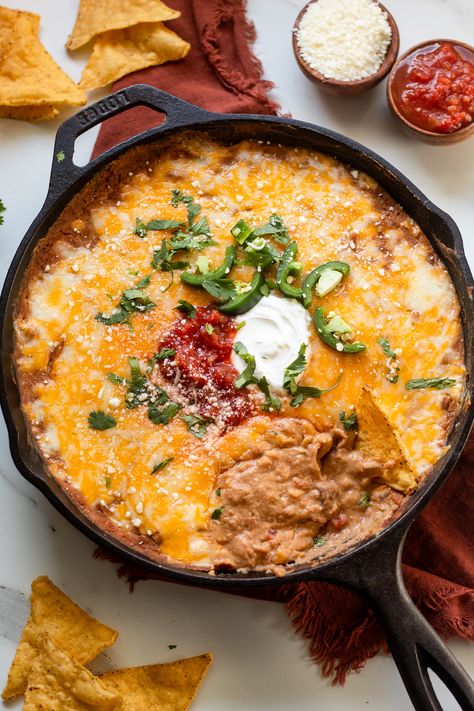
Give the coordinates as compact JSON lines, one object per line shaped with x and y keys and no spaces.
{"x":192,"y":118}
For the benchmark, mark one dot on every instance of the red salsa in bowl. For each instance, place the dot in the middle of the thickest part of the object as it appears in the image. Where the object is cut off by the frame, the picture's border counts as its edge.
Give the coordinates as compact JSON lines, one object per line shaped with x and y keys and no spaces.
{"x":432,"y":87}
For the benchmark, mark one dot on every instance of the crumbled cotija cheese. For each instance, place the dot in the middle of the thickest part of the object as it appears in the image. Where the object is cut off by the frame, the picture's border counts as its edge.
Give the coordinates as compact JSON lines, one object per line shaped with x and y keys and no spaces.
{"x":345,"y":40}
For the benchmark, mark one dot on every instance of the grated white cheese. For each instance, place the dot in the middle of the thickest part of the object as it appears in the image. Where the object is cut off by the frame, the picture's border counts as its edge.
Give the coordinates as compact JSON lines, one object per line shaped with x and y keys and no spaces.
{"x":345,"y":40}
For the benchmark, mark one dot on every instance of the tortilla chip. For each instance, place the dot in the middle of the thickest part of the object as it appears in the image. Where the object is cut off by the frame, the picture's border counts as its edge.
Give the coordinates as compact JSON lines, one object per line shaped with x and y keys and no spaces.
{"x":29,"y":76}
{"x":159,"y":687}
{"x":120,"y":52}
{"x":379,"y":440}
{"x":29,"y":113}
{"x":58,"y":683}
{"x":11,"y":19}
{"x":70,"y":627}
{"x":97,"y":16}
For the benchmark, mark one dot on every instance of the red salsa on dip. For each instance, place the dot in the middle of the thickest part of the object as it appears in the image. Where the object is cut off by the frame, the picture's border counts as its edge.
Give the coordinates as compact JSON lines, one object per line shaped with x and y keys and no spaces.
{"x":433,"y":87}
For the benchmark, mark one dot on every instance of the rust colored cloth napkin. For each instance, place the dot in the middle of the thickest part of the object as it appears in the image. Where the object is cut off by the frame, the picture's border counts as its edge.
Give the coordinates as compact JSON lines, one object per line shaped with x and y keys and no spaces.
{"x":221,"y":74}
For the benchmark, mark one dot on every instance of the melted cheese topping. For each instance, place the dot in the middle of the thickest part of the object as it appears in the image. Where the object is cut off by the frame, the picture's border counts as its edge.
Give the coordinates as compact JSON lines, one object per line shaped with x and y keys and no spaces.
{"x":397,"y":289}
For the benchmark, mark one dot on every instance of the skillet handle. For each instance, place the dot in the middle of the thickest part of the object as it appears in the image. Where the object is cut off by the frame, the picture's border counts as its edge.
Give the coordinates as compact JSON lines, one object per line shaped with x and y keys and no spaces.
{"x":65,"y":173}
{"x":414,"y":644}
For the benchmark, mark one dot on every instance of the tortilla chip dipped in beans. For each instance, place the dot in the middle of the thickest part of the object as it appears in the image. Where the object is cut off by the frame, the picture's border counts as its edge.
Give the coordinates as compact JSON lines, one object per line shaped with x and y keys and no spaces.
{"x":120,"y":52}
{"x":31,"y":83}
{"x":65,"y":623}
{"x":97,"y":16}
{"x":378,"y":439}
{"x":159,"y":687}
{"x":57,"y":682}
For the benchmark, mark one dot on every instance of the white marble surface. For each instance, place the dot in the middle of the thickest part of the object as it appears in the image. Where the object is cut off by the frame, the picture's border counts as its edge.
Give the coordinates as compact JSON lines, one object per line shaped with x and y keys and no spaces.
{"x":260,"y":664}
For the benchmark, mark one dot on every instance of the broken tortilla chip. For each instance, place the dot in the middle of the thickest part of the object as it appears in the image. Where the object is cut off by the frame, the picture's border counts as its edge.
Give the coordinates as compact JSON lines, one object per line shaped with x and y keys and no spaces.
{"x":97,"y":16}
{"x":159,"y":687}
{"x":379,"y":440}
{"x":29,"y":113}
{"x":120,"y":52}
{"x":58,"y":683}
{"x":29,"y":76}
{"x":68,"y":626}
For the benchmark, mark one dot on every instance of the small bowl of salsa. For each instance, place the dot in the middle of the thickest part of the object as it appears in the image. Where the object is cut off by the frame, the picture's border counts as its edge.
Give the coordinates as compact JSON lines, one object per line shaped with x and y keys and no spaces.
{"x":430,"y":90}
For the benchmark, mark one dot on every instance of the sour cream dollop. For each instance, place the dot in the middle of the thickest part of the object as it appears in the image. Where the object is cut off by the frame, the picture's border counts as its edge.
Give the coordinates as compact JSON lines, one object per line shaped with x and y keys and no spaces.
{"x":273,"y":332}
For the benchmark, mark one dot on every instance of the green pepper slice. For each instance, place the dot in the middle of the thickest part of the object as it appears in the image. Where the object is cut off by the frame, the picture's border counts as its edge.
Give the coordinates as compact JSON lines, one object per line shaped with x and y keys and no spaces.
{"x":241,"y":231}
{"x":314,"y":276}
{"x":244,"y":302}
{"x":329,"y":337}
{"x":286,"y":267}
{"x":219,"y":273}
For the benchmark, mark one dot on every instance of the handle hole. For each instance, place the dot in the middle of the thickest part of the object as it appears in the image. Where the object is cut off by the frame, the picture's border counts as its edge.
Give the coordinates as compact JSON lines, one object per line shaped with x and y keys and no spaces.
{"x":121,"y":127}
{"x":83,"y":146}
{"x":443,"y":694}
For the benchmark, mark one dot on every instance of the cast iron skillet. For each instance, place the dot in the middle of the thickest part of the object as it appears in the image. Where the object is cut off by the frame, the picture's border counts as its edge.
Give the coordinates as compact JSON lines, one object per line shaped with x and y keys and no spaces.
{"x":371,"y":568}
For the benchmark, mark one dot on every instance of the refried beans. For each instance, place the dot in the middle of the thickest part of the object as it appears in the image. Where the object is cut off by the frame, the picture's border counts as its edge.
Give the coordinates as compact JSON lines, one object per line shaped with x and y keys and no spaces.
{"x":293,"y":485}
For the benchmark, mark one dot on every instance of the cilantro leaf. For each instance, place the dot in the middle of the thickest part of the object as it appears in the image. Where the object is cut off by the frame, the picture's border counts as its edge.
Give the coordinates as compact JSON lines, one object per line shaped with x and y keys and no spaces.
{"x":162,"y":259}
{"x":141,"y":391}
{"x":392,"y":368}
{"x":186,"y":308}
{"x":198,"y":237}
{"x":161,"y":355}
{"x":383,"y":342}
{"x":165,"y":415}
{"x":216,"y":514}
{"x":197,"y":234}
{"x":437,"y":383}
{"x":220,"y":289}
{"x":117,"y":317}
{"x":60,"y":156}
{"x":177,"y":197}
{"x":136,"y":385}
{"x":294,"y":369}
{"x":132,"y":300}
{"x":157,"y":225}
{"x":350,"y":422}
{"x":140,"y":228}
{"x":144,"y":282}
{"x":247,"y":375}
{"x":275,"y":228}
{"x":364,"y":500}
{"x":197,"y":425}
{"x":136,"y":300}
{"x":100,"y":420}
{"x":271,"y":401}
{"x":116,"y":379}
{"x":319,"y":541}
{"x":161,"y":465}
{"x":301,"y":393}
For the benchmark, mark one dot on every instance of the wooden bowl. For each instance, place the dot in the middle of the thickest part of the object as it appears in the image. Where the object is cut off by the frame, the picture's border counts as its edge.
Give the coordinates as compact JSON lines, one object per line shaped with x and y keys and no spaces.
{"x":347,"y":88}
{"x":436,"y":139}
